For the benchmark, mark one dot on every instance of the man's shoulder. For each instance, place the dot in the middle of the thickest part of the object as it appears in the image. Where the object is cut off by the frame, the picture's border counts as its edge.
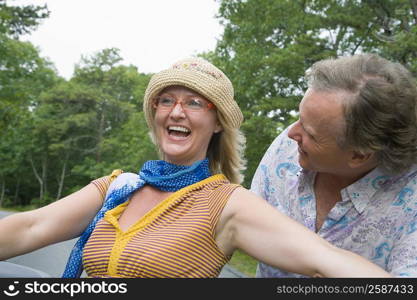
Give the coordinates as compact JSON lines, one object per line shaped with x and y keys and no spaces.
{"x":282,"y":137}
{"x":407,"y":179}
{"x":281,"y":148}
{"x":412,"y":173}
{"x":281,"y":155}
{"x":409,"y":190}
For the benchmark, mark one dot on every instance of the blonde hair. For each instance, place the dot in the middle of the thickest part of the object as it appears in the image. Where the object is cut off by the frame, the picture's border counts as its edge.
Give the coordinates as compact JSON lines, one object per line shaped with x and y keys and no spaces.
{"x":226,"y":152}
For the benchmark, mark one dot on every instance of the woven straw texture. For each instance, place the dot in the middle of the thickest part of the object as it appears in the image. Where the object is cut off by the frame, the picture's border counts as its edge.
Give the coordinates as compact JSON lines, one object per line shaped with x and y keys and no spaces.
{"x":200,"y":76}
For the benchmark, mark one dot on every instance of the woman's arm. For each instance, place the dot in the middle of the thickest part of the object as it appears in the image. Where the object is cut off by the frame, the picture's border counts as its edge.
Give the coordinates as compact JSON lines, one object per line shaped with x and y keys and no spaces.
{"x":251,"y":224}
{"x":61,"y":220}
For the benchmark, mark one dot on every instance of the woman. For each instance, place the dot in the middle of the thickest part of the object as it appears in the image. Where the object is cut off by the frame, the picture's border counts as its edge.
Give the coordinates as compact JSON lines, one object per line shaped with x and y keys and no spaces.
{"x":182,"y":216}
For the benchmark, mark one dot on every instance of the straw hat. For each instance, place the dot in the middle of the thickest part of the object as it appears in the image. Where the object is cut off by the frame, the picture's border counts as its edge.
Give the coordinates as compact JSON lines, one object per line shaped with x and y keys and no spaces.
{"x":202,"y":77}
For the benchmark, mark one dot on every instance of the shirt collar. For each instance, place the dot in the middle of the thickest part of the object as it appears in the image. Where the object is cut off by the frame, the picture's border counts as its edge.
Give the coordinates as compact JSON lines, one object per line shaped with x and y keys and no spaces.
{"x":362,"y":191}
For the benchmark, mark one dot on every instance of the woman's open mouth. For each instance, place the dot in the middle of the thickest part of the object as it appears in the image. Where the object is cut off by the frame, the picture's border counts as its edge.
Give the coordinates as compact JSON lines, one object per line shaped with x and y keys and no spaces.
{"x":178,"y":131}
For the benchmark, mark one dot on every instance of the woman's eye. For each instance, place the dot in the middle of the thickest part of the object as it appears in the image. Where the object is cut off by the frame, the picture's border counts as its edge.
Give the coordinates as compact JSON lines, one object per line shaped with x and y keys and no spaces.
{"x":194,"y":103}
{"x":166,"y":101}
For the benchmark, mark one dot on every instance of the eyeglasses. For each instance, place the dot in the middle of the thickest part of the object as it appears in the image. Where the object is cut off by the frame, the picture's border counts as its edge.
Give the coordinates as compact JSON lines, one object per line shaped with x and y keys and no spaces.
{"x":192,"y":104}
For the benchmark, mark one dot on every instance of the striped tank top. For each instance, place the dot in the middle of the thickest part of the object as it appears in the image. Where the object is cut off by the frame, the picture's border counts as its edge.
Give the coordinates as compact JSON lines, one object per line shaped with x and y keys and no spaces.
{"x":174,"y":239}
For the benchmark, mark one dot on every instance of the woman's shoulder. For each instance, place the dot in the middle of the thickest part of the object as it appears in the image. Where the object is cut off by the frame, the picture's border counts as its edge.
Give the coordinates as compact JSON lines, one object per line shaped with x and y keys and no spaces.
{"x":124,"y":180}
{"x":215,"y":182}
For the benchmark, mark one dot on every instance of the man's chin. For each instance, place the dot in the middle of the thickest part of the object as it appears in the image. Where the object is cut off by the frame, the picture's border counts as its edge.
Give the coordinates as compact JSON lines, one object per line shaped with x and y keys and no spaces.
{"x":304,"y":164}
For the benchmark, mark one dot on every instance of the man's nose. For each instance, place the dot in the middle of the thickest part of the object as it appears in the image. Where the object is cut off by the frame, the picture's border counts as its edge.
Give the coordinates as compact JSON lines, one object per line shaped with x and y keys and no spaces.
{"x":294,"y":132}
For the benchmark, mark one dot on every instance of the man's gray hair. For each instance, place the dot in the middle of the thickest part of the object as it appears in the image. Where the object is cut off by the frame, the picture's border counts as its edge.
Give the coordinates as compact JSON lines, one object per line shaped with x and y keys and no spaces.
{"x":380,"y":110}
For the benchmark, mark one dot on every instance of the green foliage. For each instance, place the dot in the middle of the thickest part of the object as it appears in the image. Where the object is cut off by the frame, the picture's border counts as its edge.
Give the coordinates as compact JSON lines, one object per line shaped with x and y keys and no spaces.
{"x":18,"y":20}
{"x":78,"y":130}
{"x":74,"y":131}
{"x":244,"y":263}
{"x":267,"y":46}
{"x":23,"y":73}
{"x":56,"y":135}
{"x":23,"y":76}
{"x":89,"y":125}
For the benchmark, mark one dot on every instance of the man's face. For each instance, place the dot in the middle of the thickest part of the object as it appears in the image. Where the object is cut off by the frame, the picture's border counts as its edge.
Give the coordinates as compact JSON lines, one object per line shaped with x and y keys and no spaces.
{"x":321,"y":121}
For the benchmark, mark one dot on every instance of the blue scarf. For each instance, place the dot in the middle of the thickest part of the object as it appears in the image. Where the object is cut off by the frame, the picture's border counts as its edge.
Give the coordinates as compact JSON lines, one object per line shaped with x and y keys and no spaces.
{"x":157,"y":173}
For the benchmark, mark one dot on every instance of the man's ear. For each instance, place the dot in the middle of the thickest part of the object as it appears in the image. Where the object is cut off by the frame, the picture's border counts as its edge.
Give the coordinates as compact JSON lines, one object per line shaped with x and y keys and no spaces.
{"x":359,"y":159}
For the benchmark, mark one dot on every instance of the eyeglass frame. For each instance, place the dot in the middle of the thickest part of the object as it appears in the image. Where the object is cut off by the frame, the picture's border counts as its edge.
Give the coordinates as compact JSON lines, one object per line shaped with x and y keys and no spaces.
{"x":209,"y":105}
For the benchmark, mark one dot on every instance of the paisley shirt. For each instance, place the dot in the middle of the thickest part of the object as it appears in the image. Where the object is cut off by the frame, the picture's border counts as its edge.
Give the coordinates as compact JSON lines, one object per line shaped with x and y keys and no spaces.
{"x":377,"y":217}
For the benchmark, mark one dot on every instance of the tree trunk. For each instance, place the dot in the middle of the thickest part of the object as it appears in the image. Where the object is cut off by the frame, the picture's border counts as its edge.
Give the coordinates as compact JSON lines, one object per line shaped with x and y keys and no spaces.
{"x":16,"y":193}
{"x":61,"y":180}
{"x":100,"y":137}
{"x":41,"y":183}
{"x":3,"y":190}
{"x":44,"y":179}
{"x":414,"y":9}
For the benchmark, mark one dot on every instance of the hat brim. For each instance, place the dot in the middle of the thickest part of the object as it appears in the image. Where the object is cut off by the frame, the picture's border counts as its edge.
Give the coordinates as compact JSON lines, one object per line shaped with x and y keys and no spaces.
{"x":198,"y":83}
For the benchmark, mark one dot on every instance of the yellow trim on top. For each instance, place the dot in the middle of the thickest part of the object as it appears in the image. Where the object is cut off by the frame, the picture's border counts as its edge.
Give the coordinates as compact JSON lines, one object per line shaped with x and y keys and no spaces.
{"x":123,"y":237}
{"x":115,"y":173}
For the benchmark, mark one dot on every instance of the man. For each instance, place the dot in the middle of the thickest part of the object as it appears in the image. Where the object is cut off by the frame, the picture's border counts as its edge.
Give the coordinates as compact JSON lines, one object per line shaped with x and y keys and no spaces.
{"x":347,"y":168}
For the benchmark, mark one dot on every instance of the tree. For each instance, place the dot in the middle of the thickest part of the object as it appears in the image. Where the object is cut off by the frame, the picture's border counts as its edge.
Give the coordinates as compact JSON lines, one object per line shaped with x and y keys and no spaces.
{"x":57,"y":135}
{"x":23,"y":73}
{"x":267,"y":45}
{"x":396,"y":28}
{"x":13,"y":168}
{"x":117,"y":88}
{"x":85,"y":127}
{"x":23,"y":76}
{"x":18,"y":20}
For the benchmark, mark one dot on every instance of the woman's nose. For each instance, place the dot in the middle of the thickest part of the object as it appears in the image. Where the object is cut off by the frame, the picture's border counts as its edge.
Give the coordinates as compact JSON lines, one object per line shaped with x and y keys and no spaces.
{"x":177,"y":110}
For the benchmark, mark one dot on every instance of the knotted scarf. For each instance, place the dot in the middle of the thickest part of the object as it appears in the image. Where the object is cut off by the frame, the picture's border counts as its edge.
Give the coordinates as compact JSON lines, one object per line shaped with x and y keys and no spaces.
{"x":157,"y":173}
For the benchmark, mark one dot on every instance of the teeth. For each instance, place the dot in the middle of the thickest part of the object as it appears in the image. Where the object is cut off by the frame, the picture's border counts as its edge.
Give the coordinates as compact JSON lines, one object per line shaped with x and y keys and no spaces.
{"x":179,"y":128}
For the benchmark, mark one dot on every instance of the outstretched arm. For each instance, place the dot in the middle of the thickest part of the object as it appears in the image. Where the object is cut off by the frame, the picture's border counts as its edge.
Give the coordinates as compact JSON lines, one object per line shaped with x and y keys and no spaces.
{"x":251,"y":224}
{"x":61,"y":220}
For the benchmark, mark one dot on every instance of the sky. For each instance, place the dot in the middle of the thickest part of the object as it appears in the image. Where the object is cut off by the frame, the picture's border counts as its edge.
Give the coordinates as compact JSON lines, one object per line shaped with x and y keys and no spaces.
{"x":151,"y":34}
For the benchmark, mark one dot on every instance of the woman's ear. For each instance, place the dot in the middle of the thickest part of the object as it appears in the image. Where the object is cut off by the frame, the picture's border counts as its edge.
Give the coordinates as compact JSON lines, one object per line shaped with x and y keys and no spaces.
{"x":218,"y":128}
